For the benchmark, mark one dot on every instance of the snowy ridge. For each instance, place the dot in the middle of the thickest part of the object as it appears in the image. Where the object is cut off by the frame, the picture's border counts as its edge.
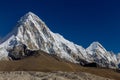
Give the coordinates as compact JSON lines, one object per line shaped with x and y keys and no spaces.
{"x":101,"y":56}
{"x":33,"y":32}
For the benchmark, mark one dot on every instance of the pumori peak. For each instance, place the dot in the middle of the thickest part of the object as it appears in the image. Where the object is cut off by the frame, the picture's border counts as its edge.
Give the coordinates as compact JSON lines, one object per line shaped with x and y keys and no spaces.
{"x":33,"y":33}
{"x":29,"y":17}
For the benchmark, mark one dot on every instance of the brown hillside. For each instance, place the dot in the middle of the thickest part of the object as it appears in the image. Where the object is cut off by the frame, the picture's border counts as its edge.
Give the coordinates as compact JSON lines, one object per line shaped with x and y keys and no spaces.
{"x":45,"y":62}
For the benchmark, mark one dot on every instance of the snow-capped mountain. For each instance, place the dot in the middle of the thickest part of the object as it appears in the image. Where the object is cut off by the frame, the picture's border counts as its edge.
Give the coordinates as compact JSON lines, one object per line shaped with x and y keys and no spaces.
{"x":100,"y":55}
{"x":31,"y":32}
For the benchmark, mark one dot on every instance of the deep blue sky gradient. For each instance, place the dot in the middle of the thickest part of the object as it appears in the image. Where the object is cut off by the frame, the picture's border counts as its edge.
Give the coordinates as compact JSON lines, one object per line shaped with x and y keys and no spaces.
{"x":80,"y":21}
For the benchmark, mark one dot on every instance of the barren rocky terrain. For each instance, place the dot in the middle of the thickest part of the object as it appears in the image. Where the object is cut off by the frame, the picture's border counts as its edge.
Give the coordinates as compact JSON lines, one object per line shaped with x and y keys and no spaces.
{"x":20,"y":75}
{"x":47,"y":67}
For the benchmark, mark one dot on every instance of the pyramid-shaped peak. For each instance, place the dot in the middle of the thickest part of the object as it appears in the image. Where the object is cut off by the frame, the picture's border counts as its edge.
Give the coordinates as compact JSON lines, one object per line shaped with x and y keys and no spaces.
{"x":31,"y":14}
{"x":95,"y":45}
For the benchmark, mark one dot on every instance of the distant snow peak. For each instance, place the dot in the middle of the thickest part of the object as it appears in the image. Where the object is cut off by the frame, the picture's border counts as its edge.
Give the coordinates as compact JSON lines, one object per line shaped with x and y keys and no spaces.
{"x":98,"y":46}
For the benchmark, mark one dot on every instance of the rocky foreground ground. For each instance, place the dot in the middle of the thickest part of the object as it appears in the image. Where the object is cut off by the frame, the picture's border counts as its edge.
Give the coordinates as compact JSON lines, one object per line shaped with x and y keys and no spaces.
{"x":20,"y":75}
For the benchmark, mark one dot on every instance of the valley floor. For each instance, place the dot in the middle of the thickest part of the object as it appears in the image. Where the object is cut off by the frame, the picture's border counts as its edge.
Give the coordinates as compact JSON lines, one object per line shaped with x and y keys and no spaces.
{"x":21,"y":75}
{"x":47,"y":67}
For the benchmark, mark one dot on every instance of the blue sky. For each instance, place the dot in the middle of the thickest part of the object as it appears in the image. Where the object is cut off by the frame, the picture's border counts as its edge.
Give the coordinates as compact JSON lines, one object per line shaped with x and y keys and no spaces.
{"x":80,"y":21}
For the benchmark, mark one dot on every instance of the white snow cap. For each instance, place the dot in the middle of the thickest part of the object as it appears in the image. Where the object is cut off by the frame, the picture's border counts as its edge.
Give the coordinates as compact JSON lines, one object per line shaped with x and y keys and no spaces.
{"x":97,"y":45}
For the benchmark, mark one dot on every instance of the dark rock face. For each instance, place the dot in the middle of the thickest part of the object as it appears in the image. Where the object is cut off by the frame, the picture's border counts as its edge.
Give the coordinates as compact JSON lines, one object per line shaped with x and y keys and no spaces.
{"x":81,"y":61}
{"x":119,"y":66}
{"x":20,"y":51}
{"x":91,"y":65}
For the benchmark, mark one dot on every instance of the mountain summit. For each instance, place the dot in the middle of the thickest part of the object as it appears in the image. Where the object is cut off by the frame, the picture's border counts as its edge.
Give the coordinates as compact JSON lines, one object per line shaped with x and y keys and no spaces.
{"x":31,"y":33}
